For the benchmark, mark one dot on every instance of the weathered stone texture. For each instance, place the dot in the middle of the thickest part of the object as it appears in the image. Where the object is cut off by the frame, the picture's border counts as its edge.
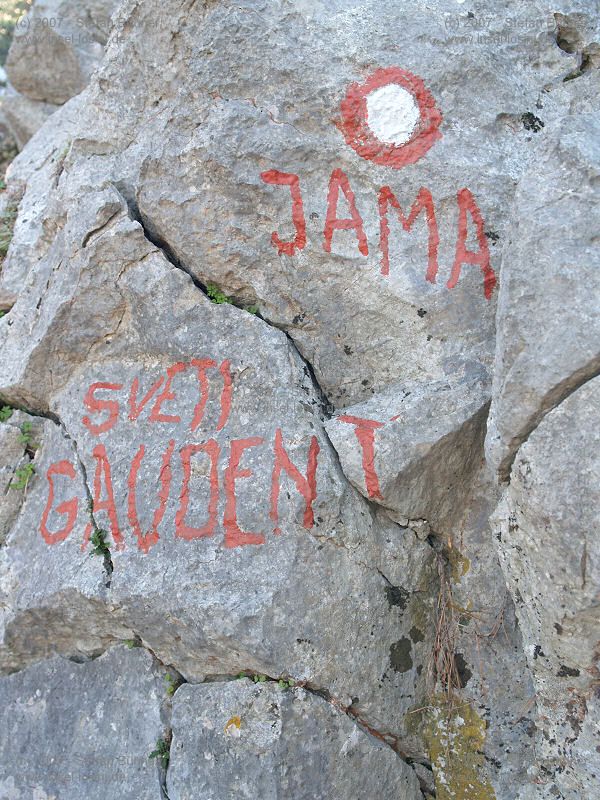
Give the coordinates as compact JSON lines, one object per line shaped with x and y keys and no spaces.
{"x":291,"y":480}
{"x":205,"y":605}
{"x":247,"y":740}
{"x":82,"y":730}
{"x":548,"y":314}
{"x":549,"y":551}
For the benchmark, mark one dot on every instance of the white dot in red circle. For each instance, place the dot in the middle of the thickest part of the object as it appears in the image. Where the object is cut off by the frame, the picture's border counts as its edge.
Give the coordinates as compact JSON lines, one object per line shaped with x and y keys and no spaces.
{"x":391,"y":118}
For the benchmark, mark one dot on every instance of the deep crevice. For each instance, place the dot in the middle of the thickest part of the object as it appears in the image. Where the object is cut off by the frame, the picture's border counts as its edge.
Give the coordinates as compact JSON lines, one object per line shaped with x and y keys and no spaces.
{"x":392,"y":740}
{"x":151,"y":234}
{"x":107,"y":561}
{"x":326,"y":406}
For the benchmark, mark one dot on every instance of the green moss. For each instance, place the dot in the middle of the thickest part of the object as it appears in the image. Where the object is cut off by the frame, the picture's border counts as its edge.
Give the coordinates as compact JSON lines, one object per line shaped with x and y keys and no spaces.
{"x":100,"y":545}
{"x":455,"y":737}
{"x":219,"y":297}
{"x":172,"y":684}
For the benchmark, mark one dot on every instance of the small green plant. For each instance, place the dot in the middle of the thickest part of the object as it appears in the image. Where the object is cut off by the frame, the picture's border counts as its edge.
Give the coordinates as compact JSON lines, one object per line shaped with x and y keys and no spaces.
{"x":216,"y":295}
{"x":172,"y":684}
{"x":251,"y":309}
{"x":259,"y":678}
{"x":6,"y":413}
{"x":161,"y":752}
{"x":131,"y":643}
{"x":22,"y":476}
{"x":283,"y":684}
{"x":2,"y":314}
{"x":98,"y":540}
{"x":26,"y":437}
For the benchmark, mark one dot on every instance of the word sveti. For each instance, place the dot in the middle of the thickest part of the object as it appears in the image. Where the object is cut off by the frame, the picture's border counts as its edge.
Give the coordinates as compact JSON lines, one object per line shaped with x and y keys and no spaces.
{"x":339,"y":182}
{"x":103,"y":416}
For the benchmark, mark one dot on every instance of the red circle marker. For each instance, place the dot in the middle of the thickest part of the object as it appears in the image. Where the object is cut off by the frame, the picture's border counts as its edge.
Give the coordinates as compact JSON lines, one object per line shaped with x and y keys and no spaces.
{"x":360,"y":137}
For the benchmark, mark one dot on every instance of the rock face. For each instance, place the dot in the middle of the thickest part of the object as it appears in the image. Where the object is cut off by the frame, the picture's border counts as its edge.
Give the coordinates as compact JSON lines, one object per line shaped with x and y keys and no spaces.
{"x":542,"y":439}
{"x":556,"y":293}
{"x":82,"y":730}
{"x":215,"y":572}
{"x":247,"y":740}
{"x":297,"y":294}
{"x":545,"y":527}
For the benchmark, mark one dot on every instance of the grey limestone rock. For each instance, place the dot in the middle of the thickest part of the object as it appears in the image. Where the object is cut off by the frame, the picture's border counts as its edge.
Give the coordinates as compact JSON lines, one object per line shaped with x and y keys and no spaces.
{"x":82,"y":730}
{"x":201,"y":484}
{"x":548,"y":314}
{"x":545,"y":527}
{"x":246,"y":740}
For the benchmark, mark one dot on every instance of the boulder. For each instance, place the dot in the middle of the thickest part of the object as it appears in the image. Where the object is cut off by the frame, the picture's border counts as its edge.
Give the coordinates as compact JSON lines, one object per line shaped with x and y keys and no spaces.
{"x":23,"y":116}
{"x":82,"y":730}
{"x":246,"y":740}
{"x":193,"y":433}
{"x":56,"y":47}
{"x":549,"y":302}
{"x":545,"y":529}
{"x":230,"y":247}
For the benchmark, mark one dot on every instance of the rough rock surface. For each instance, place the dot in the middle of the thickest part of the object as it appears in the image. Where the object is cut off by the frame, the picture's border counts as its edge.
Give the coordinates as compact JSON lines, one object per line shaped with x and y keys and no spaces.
{"x":216,"y":573}
{"x":82,"y":730}
{"x":548,"y":320}
{"x":266,"y":358}
{"x":546,"y":530}
{"x":247,"y":740}
{"x":414,"y":447}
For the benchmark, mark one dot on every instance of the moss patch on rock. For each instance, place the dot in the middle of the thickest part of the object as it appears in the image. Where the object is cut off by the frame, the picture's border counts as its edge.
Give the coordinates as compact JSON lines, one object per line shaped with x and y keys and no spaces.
{"x":455,"y":736}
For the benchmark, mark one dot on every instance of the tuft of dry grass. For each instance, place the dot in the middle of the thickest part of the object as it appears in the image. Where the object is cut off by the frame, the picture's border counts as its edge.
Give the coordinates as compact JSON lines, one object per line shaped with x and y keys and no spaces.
{"x":442,"y":671}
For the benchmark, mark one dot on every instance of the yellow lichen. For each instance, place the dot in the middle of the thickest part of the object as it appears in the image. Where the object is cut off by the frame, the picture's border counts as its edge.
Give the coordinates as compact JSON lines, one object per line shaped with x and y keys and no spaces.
{"x":455,"y":736}
{"x":459,"y":564}
{"x":233,"y":726}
